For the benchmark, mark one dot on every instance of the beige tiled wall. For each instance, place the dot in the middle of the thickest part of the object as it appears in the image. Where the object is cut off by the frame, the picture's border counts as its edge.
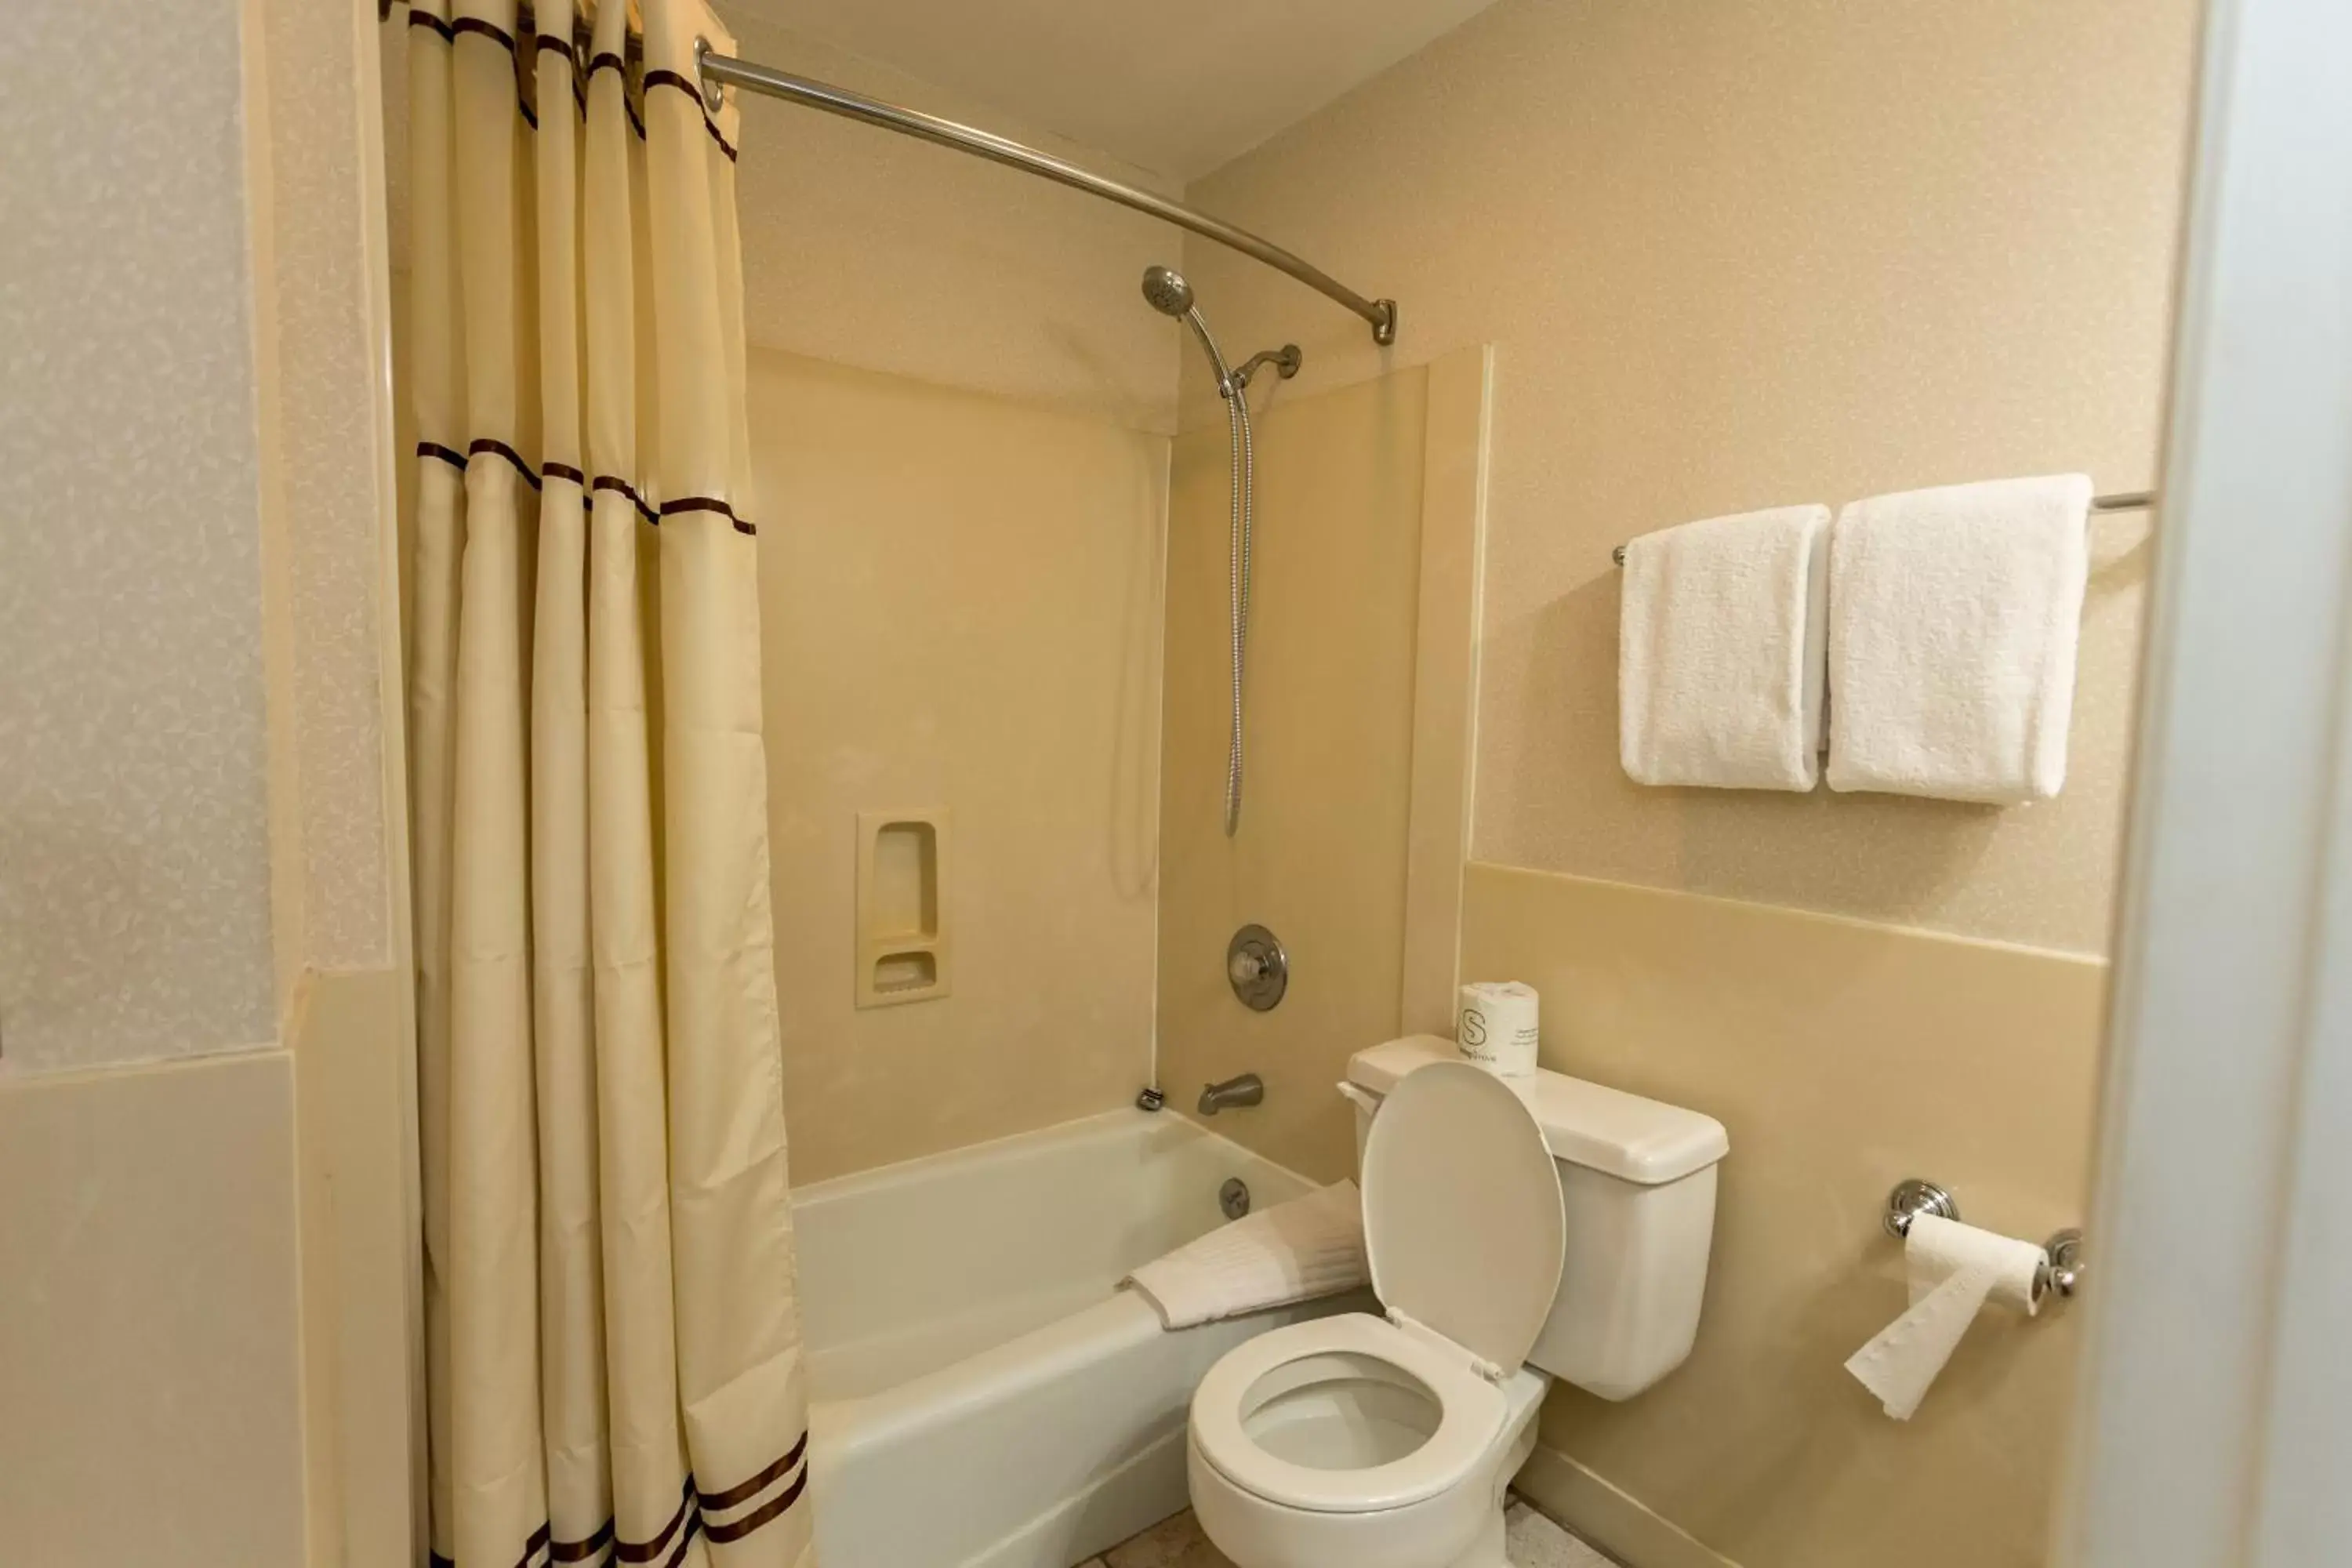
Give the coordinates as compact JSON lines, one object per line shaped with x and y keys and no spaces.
{"x":960,"y":598}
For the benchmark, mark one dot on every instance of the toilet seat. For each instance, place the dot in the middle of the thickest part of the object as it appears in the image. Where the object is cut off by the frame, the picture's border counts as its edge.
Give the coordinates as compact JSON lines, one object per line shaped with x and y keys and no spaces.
{"x":1471,"y":1413}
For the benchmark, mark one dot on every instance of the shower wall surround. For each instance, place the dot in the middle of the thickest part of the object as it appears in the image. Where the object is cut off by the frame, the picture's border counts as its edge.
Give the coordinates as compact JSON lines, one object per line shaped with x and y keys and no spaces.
{"x":1730,"y":255}
{"x":960,"y":597}
{"x":1352,"y":826}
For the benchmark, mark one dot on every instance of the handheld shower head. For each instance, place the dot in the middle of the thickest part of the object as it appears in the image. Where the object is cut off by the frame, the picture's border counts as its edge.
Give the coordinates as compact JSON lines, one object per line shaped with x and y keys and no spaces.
{"x":1167,"y":292}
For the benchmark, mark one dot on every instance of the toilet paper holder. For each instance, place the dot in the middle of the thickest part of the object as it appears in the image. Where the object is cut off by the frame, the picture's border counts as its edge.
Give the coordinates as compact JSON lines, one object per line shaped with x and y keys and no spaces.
{"x":1912,"y":1197}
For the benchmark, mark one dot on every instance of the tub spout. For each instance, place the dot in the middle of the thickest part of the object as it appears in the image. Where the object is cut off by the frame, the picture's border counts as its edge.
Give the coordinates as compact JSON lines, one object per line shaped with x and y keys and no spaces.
{"x":1246,"y":1090}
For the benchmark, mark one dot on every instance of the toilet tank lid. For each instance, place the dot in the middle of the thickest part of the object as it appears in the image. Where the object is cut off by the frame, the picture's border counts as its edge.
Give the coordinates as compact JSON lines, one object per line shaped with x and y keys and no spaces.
{"x":1589,"y":1124}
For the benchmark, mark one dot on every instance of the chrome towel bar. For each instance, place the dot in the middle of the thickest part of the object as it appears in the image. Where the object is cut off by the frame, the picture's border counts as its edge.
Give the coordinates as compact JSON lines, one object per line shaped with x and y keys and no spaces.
{"x":2122,"y":501}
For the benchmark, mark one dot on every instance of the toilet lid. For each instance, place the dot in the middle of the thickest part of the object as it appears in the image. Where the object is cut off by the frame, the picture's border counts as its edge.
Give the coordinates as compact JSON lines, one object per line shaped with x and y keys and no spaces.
{"x":1462,"y":1219}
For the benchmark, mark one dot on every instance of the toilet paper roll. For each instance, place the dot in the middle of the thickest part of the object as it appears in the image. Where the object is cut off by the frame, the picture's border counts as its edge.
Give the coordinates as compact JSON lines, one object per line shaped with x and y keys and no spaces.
{"x":1953,"y":1270}
{"x":1496,"y":1027}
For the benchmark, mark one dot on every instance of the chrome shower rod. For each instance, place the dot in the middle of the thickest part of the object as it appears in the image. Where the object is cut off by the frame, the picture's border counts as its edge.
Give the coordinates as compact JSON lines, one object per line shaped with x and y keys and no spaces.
{"x":720,"y":71}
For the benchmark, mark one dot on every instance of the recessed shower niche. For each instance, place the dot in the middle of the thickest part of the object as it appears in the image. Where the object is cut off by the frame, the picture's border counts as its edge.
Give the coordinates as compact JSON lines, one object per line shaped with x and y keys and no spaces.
{"x":902,"y":939}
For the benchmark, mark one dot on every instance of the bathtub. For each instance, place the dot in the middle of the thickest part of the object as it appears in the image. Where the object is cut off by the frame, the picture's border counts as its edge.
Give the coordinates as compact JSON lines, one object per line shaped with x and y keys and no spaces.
{"x":983,"y":1396}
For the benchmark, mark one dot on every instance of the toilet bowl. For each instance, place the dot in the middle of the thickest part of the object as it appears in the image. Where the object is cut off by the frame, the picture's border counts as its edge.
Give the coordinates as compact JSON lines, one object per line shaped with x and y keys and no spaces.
{"x":1352,"y":1440}
{"x":1387,"y":1442}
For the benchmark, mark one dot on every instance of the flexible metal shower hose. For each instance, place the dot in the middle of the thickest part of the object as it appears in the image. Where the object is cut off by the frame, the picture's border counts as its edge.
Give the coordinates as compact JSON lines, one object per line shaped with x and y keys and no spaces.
{"x":1240,"y":486}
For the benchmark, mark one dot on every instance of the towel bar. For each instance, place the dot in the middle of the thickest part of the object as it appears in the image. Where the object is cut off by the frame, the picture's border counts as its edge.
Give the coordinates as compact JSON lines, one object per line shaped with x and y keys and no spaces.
{"x":2122,"y":501}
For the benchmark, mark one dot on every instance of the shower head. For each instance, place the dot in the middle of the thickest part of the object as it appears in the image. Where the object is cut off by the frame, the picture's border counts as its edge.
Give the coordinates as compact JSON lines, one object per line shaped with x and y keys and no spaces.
{"x":1166,"y":289}
{"x":1169,"y":294}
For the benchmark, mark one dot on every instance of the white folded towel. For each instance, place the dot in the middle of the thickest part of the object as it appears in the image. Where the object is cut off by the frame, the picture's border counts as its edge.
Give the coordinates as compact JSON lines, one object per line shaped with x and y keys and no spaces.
{"x":1954,"y":616}
{"x":1720,"y":651}
{"x":1294,"y":1251}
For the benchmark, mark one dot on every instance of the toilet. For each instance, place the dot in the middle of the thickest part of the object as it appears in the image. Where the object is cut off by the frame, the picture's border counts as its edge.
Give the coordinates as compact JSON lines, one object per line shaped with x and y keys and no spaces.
{"x":1519,"y":1229}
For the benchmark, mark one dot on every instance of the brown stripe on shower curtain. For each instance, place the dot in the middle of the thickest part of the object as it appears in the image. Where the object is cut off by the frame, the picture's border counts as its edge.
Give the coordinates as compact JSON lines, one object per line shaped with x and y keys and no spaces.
{"x":735,"y":1496}
{"x":622,"y":487}
{"x":654,"y":78}
{"x":708,"y":503}
{"x":687,"y":1520}
{"x":498,"y":449}
{"x":766,"y":1514}
{"x":719,"y":1501}
{"x":582,"y":1551}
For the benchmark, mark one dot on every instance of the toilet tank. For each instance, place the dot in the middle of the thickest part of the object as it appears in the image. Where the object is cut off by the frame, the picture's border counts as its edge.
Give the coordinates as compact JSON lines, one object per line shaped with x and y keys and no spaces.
{"x":1637,"y":1185}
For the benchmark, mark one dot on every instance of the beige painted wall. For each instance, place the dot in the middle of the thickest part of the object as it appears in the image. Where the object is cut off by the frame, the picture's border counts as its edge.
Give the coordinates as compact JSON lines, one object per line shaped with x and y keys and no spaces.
{"x":1732,"y":253}
{"x":961,"y":605}
{"x":1320,"y":858}
{"x":1843,"y":1056}
{"x":870,"y":250}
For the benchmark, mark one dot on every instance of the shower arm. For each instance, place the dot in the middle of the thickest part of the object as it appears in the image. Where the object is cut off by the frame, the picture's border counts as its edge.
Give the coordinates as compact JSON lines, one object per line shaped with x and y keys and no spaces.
{"x":721,"y":71}
{"x":1284,"y":360}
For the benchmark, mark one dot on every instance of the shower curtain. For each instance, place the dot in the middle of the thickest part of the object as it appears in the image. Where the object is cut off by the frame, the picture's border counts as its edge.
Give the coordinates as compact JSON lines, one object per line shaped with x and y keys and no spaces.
{"x":613,"y":1341}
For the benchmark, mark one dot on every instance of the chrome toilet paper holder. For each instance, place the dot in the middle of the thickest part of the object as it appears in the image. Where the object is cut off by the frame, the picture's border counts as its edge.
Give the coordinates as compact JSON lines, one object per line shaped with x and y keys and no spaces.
{"x":1912,"y":1197}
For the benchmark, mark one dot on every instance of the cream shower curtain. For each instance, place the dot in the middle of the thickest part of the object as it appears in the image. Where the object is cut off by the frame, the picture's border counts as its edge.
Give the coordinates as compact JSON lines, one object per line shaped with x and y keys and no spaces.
{"x":614,"y":1339}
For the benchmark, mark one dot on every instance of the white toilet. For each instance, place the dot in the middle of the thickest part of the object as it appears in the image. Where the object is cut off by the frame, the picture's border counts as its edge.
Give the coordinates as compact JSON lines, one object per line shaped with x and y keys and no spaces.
{"x":1519,"y":1229}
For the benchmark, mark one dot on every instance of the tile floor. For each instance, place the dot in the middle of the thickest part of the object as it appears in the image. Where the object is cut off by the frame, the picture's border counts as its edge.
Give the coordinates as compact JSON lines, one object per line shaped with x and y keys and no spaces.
{"x":1535,"y":1541}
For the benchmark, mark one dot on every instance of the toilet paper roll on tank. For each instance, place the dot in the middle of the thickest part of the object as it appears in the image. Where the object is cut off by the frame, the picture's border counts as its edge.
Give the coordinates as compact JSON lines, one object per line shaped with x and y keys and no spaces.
{"x":1495,"y":1027}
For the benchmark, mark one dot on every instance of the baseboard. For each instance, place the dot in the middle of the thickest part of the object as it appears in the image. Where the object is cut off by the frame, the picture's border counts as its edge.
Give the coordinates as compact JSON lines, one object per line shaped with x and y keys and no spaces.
{"x":1617,"y":1524}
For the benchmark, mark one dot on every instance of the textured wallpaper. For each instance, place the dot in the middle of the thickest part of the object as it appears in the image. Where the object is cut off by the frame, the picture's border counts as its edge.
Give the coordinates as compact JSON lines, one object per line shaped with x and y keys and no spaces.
{"x":328,"y":374}
{"x":1735,"y":253}
{"x":134,"y":900}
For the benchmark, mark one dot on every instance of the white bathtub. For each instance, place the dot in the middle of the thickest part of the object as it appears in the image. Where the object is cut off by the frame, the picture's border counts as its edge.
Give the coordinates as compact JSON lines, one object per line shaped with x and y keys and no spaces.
{"x":985,"y":1398}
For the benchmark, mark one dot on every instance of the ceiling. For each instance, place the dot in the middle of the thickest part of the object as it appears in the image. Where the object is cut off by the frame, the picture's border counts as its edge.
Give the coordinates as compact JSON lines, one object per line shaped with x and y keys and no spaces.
{"x":1176,"y":86}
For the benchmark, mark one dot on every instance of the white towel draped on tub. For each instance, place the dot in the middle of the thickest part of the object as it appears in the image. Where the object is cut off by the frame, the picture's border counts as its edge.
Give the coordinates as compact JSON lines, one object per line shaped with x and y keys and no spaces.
{"x":1720,"y":651}
{"x":1295,"y":1251}
{"x":1954,"y":616}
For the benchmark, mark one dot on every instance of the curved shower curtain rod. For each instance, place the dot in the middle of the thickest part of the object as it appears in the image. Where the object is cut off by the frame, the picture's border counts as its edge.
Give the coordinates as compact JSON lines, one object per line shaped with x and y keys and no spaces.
{"x":720,"y":70}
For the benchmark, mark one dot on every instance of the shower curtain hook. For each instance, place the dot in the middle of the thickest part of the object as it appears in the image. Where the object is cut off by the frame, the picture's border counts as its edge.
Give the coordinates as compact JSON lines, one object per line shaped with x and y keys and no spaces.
{"x":714,"y":93}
